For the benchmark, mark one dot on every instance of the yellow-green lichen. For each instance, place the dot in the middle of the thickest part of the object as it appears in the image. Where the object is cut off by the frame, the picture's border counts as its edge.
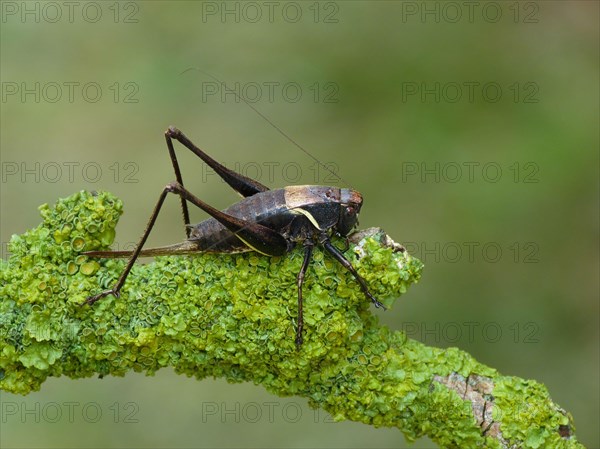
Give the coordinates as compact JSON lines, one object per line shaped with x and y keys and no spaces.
{"x":234,"y":316}
{"x":520,"y":401}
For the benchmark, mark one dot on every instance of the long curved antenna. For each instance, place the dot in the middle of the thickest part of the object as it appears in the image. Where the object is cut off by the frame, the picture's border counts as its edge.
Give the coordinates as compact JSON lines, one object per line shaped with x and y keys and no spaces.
{"x":251,"y":106}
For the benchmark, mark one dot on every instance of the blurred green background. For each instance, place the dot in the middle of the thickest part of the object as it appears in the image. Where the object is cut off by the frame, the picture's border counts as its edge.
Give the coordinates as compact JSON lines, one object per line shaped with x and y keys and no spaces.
{"x":465,"y":127}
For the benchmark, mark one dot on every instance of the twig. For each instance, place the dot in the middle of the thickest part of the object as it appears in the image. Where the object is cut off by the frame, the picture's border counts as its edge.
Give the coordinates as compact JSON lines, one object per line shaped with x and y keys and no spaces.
{"x":233,"y":316}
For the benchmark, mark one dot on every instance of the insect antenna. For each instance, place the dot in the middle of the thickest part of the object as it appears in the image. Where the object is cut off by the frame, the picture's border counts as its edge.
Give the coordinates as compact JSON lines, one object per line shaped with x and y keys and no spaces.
{"x":269,"y":121}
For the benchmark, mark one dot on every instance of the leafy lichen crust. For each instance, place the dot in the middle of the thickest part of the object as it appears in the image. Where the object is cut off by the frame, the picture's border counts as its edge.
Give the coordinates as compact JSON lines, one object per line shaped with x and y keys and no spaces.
{"x":233,"y":316}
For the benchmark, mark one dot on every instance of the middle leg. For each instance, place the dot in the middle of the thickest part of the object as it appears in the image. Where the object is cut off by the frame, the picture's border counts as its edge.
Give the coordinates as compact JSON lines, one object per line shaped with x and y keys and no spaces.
{"x":308,"y":248}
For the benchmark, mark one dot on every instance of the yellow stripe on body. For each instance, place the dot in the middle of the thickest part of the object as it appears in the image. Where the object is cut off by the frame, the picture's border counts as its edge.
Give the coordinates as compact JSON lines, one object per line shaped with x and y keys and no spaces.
{"x":308,"y":215}
{"x":250,"y":246}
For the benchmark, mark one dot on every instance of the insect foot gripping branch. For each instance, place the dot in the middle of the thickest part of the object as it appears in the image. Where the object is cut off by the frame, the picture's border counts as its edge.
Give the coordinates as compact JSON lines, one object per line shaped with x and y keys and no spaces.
{"x":232,"y":316}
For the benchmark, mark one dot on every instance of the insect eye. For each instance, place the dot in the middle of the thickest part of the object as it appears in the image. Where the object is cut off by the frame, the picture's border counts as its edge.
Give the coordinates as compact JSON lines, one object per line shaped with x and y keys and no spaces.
{"x":350,"y":210}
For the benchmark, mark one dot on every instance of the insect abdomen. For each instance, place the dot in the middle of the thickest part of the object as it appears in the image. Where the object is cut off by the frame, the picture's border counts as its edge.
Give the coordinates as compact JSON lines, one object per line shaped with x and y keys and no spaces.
{"x":267,"y":208}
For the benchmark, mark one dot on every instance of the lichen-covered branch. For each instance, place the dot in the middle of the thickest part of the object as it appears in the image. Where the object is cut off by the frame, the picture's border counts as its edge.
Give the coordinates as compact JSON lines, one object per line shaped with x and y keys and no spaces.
{"x":233,"y":316}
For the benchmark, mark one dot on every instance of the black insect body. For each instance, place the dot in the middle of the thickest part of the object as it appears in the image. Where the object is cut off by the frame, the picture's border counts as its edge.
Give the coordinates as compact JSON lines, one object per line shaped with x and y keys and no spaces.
{"x":270,"y":222}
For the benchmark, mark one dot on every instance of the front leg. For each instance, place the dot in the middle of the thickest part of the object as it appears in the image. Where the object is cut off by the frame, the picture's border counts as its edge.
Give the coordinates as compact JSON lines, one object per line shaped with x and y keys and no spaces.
{"x":324,"y":240}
